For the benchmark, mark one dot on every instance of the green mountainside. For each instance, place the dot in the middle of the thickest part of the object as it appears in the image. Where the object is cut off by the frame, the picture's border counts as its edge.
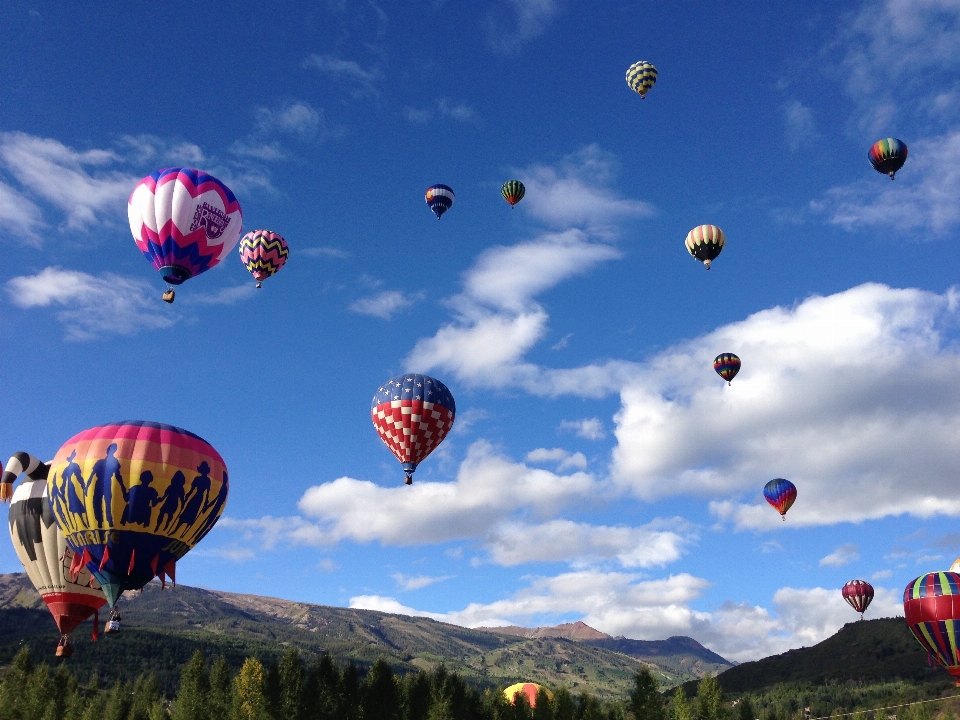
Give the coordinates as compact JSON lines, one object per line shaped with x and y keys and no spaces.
{"x":162,"y":629}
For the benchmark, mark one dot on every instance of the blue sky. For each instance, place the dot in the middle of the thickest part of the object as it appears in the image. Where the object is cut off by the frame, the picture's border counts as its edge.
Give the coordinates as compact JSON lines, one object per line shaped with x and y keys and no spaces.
{"x":598,"y":469}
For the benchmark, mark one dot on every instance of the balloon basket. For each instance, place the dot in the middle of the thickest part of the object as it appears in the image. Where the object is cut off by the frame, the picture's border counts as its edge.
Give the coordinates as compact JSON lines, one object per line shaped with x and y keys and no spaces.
{"x":64,"y":647}
{"x":111,"y":626}
{"x":258,"y":285}
{"x":169,"y":296}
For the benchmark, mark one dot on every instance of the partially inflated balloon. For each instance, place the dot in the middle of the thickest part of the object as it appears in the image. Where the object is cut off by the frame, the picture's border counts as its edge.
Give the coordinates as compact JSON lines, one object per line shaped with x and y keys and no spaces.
{"x":439,"y":198}
{"x":412,"y":414}
{"x":727,"y":365}
{"x":528,"y":690}
{"x":184,"y":221}
{"x":44,"y":554}
{"x":263,"y":253}
{"x":641,"y":76}
{"x":931,"y":605}
{"x":781,"y":494}
{"x":133,"y":497}
{"x":859,"y":595}
{"x":513,"y":191}
{"x":887,"y":156}
{"x":705,"y":242}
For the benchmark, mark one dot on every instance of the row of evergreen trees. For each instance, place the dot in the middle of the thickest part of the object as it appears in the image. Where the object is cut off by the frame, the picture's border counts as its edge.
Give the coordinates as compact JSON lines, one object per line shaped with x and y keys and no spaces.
{"x":293,"y":690}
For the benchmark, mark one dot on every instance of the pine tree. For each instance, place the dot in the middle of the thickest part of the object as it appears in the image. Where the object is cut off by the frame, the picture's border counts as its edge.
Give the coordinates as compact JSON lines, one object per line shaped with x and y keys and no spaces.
{"x":220,"y":699}
{"x":13,"y":682}
{"x":681,"y":706}
{"x":645,"y":700}
{"x":380,"y":697}
{"x":521,"y":709}
{"x":271,"y":690}
{"x":542,"y":707}
{"x":146,"y":691}
{"x":322,"y":691}
{"x":191,"y":701}
{"x":36,"y":692}
{"x":291,"y":686}
{"x":564,"y":708}
{"x":440,"y":709}
{"x":119,"y":701}
{"x":745,"y":710}
{"x":710,"y":699}
{"x":158,"y":711}
{"x":349,"y":698}
{"x":589,"y":708}
{"x":249,"y":702}
{"x":416,"y":696}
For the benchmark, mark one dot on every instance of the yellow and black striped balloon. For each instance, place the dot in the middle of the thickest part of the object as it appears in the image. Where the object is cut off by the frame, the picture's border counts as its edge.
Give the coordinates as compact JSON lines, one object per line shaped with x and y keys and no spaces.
{"x":641,"y":76}
{"x":513,"y":191}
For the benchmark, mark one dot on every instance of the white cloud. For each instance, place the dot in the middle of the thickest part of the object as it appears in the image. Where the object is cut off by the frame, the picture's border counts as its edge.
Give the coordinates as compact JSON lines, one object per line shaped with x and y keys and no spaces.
{"x":882,"y":575}
{"x":346,"y":70}
{"x":800,"y":129}
{"x":923,"y":197}
{"x":323,"y":251}
{"x":514,"y":22}
{"x":843,"y":555}
{"x":93,"y":306}
{"x":152,"y":150}
{"x":418,"y":116}
{"x":298,"y":119}
{"x":71,"y":180}
{"x":588,"y":428}
{"x":22,"y":218}
{"x":416,"y":583}
{"x":623,"y":604}
{"x":225,"y":296}
{"x":456,"y":110}
{"x":563,"y":458}
{"x":850,"y":396}
{"x":576,"y":194}
{"x":385,"y":304}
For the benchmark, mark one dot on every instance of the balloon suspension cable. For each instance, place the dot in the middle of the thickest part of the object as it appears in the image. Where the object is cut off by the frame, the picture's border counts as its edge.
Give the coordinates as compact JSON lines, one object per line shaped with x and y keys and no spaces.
{"x":783,"y":516}
{"x":730,"y":383}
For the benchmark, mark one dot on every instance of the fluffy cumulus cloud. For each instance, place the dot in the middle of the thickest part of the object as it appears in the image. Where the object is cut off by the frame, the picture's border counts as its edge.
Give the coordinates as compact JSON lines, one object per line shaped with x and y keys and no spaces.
{"x":78,"y":183}
{"x":843,"y":555}
{"x":563,"y":458}
{"x":385,"y":304}
{"x":923,"y":197}
{"x":511,"y":23}
{"x":298,"y":119}
{"x":587,"y":428}
{"x":625,"y":604}
{"x":849,"y":395}
{"x":91,"y":305}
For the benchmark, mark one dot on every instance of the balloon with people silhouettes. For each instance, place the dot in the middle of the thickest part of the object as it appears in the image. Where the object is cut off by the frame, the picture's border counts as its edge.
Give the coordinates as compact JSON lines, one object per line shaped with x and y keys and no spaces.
{"x":132,"y":498}
{"x":43,"y":552}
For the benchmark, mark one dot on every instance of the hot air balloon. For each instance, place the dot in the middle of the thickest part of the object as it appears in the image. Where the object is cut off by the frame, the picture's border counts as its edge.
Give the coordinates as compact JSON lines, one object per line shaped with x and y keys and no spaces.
{"x":859,"y":595}
{"x":184,"y":221}
{"x":887,"y":156}
{"x":705,"y":242}
{"x":132,"y":498}
{"x":781,"y":494}
{"x":932,"y":610}
{"x":412,"y":414}
{"x":727,"y":365}
{"x":263,"y":253}
{"x":44,"y":554}
{"x":513,"y":191}
{"x":956,"y":566}
{"x":439,"y":198}
{"x":527,"y":689}
{"x":641,"y":76}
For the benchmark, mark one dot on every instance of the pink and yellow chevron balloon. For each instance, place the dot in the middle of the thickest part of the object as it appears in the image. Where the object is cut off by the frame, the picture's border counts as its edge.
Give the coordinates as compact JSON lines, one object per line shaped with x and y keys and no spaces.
{"x":263,"y":253}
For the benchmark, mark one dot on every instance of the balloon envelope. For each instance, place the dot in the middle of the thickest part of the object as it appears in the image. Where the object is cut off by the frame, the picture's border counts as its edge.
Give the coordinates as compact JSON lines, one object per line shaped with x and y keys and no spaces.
{"x":439,"y":198}
{"x":529,"y":690}
{"x":931,"y":605}
{"x":888,"y":155}
{"x":412,"y":414}
{"x":705,"y":242}
{"x":184,"y":221}
{"x":641,"y":76}
{"x":859,"y":595}
{"x":46,"y":558}
{"x":133,"y":497}
{"x":263,"y":253}
{"x":781,"y":494}
{"x":726,"y":365}
{"x":513,"y":191}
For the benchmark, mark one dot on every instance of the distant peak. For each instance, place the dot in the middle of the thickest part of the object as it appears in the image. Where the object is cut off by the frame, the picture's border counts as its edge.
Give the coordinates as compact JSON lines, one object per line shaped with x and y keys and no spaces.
{"x":578,"y":630}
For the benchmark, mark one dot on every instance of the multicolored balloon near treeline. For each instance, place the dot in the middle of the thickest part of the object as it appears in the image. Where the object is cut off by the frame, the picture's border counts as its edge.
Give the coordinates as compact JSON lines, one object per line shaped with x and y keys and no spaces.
{"x":931,"y":606}
{"x":439,"y":199}
{"x":44,"y":554}
{"x":263,"y":253}
{"x":513,"y":191}
{"x":781,"y":494}
{"x":527,"y":690}
{"x":859,"y":595}
{"x":726,"y":365}
{"x":412,"y":413}
{"x":641,"y":76}
{"x":705,"y":242}
{"x":887,"y":156}
{"x":132,"y":498}
{"x":184,"y":221}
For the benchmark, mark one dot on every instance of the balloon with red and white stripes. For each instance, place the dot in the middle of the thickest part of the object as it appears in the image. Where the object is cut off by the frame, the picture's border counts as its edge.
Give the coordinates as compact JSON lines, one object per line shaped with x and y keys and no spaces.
{"x":859,"y":595}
